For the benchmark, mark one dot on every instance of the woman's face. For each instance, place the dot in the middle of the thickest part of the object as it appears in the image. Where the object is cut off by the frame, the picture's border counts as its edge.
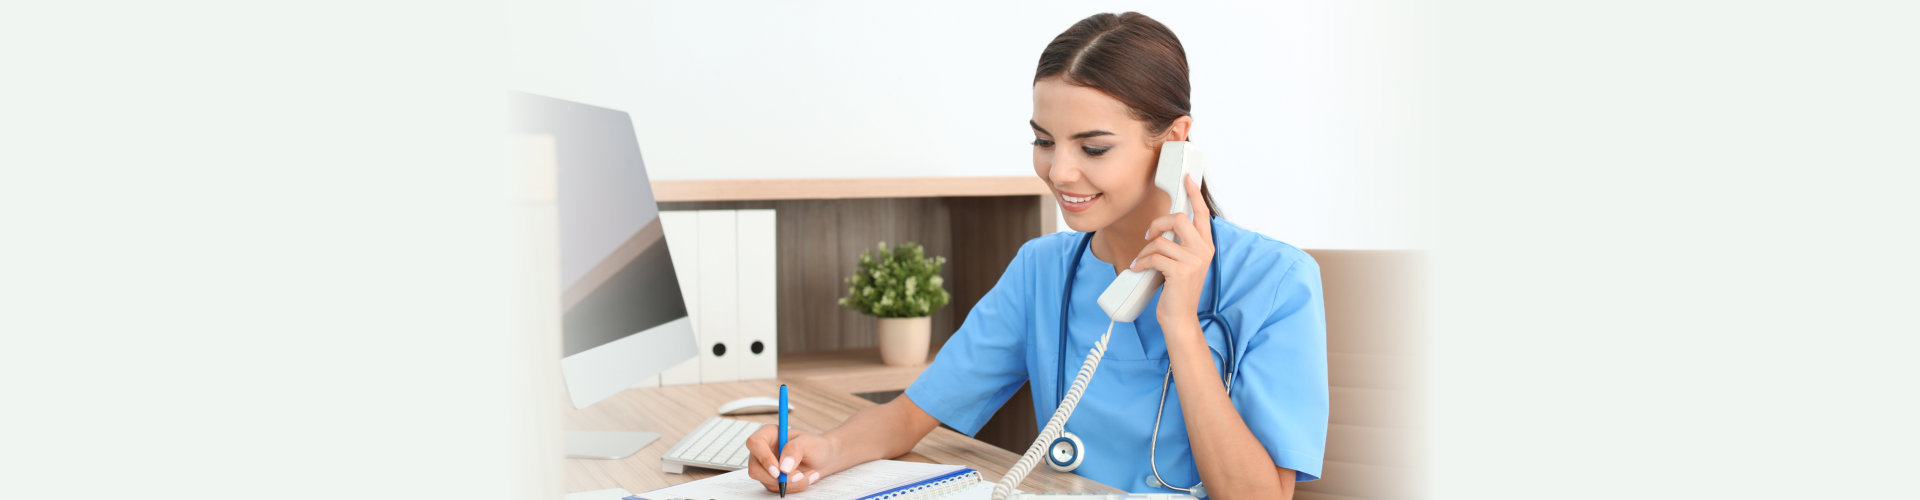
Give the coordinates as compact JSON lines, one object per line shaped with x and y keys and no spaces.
{"x":1098,"y":159}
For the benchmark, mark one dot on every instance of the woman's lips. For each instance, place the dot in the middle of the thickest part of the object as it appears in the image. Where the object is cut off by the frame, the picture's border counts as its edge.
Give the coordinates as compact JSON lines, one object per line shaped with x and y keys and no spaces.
{"x":1074,"y":202}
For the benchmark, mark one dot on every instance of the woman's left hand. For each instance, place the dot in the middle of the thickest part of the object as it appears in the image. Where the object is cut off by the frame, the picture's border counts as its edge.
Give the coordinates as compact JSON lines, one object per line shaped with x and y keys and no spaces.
{"x":1183,"y":264}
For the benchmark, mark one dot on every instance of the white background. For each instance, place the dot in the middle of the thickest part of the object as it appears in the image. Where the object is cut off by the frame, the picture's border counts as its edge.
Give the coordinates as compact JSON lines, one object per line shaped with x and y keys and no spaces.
{"x":256,"y":251}
{"x":1302,"y":108}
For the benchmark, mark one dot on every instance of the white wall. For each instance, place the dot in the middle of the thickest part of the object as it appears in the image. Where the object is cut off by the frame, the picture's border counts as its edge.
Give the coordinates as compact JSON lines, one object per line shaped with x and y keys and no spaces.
{"x":1303,"y":108}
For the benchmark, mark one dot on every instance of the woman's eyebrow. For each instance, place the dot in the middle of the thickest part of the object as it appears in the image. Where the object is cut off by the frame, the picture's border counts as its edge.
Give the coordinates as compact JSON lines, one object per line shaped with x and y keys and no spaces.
{"x":1082,"y":135}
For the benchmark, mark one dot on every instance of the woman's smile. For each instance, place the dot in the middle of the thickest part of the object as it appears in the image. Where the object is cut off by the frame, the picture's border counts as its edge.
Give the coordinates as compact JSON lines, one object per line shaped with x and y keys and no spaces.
{"x":1075,"y":202}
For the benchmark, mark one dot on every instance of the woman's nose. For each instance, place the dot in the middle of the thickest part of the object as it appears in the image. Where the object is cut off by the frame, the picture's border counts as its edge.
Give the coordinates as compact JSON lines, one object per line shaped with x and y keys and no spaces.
{"x":1064,"y":170}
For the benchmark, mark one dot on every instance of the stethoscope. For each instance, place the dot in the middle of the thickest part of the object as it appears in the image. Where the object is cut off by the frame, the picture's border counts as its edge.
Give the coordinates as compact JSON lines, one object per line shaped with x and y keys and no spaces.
{"x":1064,"y":453}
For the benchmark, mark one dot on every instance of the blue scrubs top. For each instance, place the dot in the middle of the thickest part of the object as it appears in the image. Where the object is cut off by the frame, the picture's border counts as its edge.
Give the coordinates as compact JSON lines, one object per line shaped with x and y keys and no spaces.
{"x":1271,"y":296}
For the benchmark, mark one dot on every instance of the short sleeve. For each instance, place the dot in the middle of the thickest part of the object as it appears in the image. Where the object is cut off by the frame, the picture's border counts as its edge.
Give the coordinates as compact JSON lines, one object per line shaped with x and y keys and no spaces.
{"x":1281,"y":391}
{"x":984,"y":362}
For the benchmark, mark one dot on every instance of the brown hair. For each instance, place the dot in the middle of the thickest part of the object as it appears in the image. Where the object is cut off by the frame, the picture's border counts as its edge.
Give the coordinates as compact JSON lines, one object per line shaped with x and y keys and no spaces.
{"x":1132,"y":58}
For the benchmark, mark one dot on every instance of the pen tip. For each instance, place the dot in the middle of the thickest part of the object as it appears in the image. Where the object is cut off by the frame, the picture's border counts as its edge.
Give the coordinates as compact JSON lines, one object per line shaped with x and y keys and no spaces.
{"x":783,"y":490}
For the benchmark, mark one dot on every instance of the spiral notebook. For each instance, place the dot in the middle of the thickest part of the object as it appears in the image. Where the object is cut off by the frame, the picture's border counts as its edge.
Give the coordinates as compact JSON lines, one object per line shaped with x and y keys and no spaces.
{"x":876,"y":480}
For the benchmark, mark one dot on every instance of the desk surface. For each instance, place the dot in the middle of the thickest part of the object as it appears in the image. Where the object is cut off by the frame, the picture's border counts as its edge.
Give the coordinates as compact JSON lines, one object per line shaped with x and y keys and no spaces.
{"x":675,"y":410}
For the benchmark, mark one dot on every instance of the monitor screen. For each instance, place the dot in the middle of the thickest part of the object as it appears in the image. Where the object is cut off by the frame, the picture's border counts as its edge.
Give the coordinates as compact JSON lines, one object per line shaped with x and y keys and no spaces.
{"x":616,"y":276}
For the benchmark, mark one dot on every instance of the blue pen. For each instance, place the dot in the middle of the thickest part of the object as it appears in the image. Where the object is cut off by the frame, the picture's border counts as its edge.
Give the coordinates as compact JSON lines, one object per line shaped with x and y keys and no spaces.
{"x":783,"y":438}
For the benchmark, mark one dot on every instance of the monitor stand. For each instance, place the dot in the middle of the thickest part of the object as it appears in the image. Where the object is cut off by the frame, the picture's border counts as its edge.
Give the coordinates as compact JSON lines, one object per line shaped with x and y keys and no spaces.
{"x":607,"y":445}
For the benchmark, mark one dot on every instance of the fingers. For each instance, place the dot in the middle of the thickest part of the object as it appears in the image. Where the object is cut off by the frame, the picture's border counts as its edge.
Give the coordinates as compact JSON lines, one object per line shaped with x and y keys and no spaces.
{"x":1180,"y":226}
{"x":801,"y":479}
{"x":760,"y":448}
{"x":798,"y":460}
{"x":765,"y":466}
{"x":795,"y":455}
{"x":1155,"y":261}
{"x":797,"y":481}
{"x":764,"y":474}
{"x":1160,"y":254}
{"x":1202,"y":215}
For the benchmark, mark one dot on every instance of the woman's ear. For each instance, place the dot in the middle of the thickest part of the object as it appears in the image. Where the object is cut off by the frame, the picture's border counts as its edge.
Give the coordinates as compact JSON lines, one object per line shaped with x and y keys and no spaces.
{"x":1178,"y":130}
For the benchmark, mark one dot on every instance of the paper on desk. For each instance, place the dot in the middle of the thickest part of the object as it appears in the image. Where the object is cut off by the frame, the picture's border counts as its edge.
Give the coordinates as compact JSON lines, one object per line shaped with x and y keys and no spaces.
{"x":860,"y":480}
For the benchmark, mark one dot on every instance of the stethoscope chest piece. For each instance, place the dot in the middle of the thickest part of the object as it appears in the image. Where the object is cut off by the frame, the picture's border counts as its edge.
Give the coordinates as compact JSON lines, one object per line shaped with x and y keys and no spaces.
{"x":1065,"y":453}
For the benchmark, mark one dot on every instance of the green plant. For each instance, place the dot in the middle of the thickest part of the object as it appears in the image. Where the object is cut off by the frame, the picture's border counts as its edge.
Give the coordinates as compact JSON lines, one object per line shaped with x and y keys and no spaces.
{"x":902,"y":283}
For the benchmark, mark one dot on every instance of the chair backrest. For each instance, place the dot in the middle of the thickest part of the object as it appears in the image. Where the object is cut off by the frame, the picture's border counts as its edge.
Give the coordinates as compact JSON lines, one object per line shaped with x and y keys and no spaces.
{"x":1377,"y":345}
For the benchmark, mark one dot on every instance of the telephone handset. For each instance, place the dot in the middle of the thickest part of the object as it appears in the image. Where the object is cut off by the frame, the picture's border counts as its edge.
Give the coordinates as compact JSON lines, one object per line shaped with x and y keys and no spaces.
{"x":1131,"y":291}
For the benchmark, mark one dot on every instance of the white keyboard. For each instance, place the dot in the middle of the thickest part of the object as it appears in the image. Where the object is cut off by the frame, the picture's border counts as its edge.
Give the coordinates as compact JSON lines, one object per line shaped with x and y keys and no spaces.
{"x":719,"y":443}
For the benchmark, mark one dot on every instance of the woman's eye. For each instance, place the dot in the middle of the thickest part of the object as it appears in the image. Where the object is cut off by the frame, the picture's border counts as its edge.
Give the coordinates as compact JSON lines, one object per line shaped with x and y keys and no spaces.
{"x":1093,"y":151}
{"x":1042,"y":143}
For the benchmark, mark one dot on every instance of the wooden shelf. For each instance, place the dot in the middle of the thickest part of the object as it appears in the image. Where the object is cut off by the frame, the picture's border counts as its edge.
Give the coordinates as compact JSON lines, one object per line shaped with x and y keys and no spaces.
{"x":855,"y":371}
{"x":978,"y":223}
{"x":835,"y":189}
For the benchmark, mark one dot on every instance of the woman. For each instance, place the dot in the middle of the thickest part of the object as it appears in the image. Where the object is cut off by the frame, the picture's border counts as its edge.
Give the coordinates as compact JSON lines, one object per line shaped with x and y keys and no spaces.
{"x":1108,"y":92}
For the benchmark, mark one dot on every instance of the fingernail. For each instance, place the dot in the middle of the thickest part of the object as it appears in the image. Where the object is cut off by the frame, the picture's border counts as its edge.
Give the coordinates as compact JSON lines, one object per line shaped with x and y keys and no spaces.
{"x":813,"y":478}
{"x":773,"y":472}
{"x":786,"y":464}
{"x":1149,"y":234}
{"x":1136,"y":261}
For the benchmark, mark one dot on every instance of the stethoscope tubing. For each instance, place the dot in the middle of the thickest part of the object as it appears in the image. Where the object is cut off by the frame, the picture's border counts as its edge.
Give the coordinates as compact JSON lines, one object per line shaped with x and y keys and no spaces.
{"x":1211,"y":314}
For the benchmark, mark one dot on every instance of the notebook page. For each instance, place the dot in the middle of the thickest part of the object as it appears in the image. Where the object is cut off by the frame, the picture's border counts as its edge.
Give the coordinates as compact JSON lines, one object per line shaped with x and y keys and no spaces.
{"x":863,"y":479}
{"x":979,"y":491}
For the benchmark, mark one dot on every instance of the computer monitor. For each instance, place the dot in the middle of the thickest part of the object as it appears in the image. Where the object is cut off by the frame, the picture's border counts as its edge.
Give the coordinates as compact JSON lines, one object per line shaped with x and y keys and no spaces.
{"x":623,"y":318}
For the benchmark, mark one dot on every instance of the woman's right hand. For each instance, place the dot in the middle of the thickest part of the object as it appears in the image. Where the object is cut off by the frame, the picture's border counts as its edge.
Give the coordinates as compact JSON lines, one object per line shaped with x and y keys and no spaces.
{"x":801,"y":460}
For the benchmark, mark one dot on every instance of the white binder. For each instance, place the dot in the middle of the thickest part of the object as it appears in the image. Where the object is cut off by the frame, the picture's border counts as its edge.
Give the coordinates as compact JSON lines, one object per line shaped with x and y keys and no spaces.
{"x":719,"y":297}
{"x":758,"y":299}
{"x":683,"y":244}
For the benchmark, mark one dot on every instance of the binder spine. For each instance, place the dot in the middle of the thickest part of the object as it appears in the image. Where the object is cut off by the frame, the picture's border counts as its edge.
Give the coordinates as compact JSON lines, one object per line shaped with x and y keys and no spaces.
{"x":931,"y":488}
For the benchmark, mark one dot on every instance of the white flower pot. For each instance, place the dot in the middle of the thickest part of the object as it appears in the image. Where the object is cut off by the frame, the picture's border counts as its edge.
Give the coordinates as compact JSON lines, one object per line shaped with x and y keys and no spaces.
{"x":903,"y":341}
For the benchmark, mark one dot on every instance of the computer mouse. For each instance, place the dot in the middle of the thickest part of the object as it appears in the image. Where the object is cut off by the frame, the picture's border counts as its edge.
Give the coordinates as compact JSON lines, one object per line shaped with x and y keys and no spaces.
{"x":752,"y":406}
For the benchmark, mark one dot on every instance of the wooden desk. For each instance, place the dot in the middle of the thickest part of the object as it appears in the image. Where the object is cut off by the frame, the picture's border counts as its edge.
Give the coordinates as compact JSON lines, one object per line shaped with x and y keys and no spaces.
{"x":675,"y":410}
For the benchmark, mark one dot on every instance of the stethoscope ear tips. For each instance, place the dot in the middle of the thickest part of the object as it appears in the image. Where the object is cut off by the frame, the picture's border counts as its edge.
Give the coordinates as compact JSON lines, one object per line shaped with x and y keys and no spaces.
{"x":1065,"y":452}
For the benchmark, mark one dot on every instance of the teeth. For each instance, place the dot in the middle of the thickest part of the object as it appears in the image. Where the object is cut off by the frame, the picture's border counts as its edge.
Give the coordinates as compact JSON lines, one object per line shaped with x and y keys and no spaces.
{"x":1075,"y":199}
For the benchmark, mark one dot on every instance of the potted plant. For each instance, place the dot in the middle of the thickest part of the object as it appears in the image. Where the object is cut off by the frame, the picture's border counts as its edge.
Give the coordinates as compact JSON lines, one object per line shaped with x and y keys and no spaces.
{"x":901,"y":288}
